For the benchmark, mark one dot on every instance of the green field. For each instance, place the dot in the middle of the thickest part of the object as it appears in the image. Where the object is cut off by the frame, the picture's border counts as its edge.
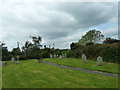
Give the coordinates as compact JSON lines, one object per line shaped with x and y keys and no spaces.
{"x":91,"y":65}
{"x":31,"y":74}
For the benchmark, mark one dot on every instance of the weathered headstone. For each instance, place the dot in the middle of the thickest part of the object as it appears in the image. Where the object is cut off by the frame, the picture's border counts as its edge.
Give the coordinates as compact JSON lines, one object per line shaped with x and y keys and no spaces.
{"x":57,"y":56}
{"x":60,"y":57}
{"x":17,"y":59}
{"x":12,"y":60}
{"x":84,"y":58}
{"x":51,"y":56}
{"x":54,"y":55}
{"x":99,"y":61}
{"x":65,"y":55}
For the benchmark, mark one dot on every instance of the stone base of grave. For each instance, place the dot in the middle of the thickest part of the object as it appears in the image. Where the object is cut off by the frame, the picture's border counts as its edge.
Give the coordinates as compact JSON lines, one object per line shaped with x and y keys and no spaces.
{"x":4,"y":64}
{"x":17,"y":63}
{"x":40,"y":60}
{"x":100,"y":64}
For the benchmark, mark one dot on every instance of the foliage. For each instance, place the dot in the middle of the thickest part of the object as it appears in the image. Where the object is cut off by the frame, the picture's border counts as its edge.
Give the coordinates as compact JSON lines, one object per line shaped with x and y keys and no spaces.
{"x":110,"y":40}
{"x":109,"y":52}
{"x":92,"y":36}
{"x":73,"y":46}
{"x":36,"y":41}
{"x":45,"y":54}
{"x":4,"y":52}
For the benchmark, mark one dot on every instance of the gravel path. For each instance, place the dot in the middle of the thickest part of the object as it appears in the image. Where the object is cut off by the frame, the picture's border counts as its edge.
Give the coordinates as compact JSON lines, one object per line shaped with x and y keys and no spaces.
{"x":84,"y":70}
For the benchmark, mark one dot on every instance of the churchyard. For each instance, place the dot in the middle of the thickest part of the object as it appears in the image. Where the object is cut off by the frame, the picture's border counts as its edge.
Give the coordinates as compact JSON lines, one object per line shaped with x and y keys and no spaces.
{"x":32,"y":74}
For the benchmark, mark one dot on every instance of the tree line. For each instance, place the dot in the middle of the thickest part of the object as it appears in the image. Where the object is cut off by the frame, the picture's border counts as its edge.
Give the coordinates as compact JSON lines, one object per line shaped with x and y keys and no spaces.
{"x":94,"y":44}
{"x":30,"y":50}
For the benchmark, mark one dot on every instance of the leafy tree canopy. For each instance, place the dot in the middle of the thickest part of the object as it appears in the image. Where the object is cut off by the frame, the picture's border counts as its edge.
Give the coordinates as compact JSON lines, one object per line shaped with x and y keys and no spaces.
{"x":92,"y":36}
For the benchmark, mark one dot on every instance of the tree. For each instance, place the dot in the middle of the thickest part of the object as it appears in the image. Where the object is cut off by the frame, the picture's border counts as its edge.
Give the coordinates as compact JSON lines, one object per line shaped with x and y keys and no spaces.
{"x":16,"y":51}
{"x":92,"y":36}
{"x":110,"y":40}
{"x":36,"y":41}
{"x":73,"y":46}
{"x":4,"y":54}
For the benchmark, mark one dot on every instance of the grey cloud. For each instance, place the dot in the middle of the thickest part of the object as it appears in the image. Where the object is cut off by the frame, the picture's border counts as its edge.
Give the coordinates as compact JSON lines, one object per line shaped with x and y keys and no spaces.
{"x":52,"y":21}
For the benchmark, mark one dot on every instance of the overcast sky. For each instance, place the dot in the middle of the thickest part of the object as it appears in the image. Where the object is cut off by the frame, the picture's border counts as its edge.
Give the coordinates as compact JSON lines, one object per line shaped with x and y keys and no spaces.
{"x":56,"y":22}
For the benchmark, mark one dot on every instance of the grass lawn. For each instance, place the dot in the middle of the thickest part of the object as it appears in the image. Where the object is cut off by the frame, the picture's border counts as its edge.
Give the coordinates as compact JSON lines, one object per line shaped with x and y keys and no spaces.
{"x":91,"y":65}
{"x":31,"y":74}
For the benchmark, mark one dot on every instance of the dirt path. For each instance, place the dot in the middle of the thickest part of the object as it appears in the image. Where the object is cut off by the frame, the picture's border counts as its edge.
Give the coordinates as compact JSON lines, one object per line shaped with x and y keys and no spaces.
{"x":84,"y":70}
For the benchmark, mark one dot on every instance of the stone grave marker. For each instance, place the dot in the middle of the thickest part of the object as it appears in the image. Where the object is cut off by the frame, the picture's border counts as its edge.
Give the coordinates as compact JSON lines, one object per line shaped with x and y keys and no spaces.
{"x":57,"y":56}
{"x":99,"y":61}
{"x":17,"y":59}
{"x":51,"y":56}
{"x":84,"y":58}
{"x":60,"y":57}
{"x":54,"y":55}
{"x":65,"y":55}
{"x":12,"y":60}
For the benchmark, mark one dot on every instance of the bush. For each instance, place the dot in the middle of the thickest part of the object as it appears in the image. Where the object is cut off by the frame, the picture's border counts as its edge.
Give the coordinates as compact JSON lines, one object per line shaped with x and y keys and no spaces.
{"x":109,"y":52}
{"x":45,"y":54}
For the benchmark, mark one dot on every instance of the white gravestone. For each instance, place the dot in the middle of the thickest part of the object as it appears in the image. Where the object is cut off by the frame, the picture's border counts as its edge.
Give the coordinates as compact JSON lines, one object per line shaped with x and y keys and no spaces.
{"x":99,"y":61}
{"x":12,"y":59}
{"x":84,"y":58}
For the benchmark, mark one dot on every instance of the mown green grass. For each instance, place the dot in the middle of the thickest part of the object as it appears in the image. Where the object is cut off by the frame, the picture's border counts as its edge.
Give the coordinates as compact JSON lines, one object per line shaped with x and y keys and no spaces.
{"x":91,"y":64}
{"x":31,"y":74}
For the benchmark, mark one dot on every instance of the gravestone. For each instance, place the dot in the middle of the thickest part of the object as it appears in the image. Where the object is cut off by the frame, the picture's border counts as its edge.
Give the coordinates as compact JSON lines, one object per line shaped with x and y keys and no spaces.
{"x":12,"y":60}
{"x":51,"y":56}
{"x":84,"y":58}
{"x":99,"y":61}
{"x":57,"y":56}
{"x":17,"y":59}
{"x":60,"y":57}
{"x":54,"y":55}
{"x":65,"y":55}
